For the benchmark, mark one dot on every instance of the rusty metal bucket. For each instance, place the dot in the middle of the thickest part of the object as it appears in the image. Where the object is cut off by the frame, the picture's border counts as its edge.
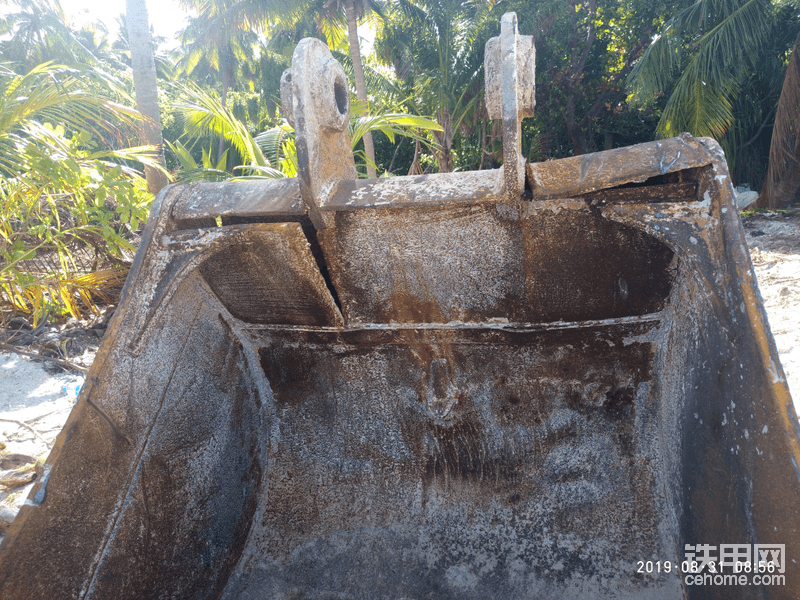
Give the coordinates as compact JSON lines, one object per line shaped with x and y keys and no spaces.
{"x":523,"y":383}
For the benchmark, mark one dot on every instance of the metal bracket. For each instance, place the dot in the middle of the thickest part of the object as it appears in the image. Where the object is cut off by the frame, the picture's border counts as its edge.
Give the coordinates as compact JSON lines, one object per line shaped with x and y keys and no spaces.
{"x":510,"y":65}
{"x":316,"y":102}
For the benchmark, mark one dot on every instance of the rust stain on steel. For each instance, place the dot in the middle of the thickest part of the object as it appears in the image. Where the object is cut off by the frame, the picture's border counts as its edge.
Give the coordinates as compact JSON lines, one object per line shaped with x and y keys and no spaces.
{"x":194,"y":469}
{"x":569,"y":429}
{"x":579,"y":175}
{"x":477,"y":263}
{"x":479,"y":442}
{"x":679,"y":191}
{"x":451,"y":264}
{"x":268,"y":275}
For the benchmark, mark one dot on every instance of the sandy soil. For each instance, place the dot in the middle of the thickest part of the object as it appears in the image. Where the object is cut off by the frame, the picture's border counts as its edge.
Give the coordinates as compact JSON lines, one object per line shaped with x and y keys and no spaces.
{"x":33,"y":408}
{"x":35,"y":402}
{"x":774,"y":242}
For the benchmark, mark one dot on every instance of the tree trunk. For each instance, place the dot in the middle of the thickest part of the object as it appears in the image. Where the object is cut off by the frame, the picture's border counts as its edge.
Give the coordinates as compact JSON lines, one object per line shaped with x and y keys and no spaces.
{"x":580,"y":45}
{"x":227,"y":74}
{"x":577,"y":137}
{"x":221,"y":145}
{"x":782,"y":181}
{"x":358,"y":75}
{"x":144,"y":81}
{"x":574,"y":130}
{"x":444,"y":142}
{"x":415,"y":168}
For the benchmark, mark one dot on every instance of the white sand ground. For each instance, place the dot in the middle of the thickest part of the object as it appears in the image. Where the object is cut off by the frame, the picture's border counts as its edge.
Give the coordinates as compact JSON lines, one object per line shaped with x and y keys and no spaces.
{"x":29,"y":395}
{"x":776,"y":261}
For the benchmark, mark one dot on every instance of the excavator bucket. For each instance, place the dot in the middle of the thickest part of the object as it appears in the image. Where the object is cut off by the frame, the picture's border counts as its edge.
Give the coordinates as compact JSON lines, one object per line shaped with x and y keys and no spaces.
{"x":550,"y":380}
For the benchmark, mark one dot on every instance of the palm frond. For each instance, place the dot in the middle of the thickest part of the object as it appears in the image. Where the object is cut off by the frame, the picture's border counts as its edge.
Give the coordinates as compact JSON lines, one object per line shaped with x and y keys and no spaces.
{"x":64,"y":201}
{"x":76,"y":293}
{"x":723,"y":39}
{"x":58,"y":95}
{"x":278,"y":144}
{"x":391,"y":124}
{"x":272,"y":140}
{"x":202,"y":174}
{"x":701,"y":108}
{"x":203,"y":114}
{"x":259,"y":172}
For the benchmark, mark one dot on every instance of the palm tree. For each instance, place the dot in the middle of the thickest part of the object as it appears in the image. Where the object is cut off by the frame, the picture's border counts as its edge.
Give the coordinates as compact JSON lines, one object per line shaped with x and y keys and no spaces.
{"x":272,"y":153}
{"x":219,"y":39}
{"x":703,"y":55}
{"x":782,"y":181}
{"x":120,"y":52}
{"x":146,"y":87}
{"x":38,"y":32}
{"x":203,"y":114}
{"x":723,"y":61}
{"x":61,"y":96}
{"x":223,"y":35}
{"x":438,"y":45}
{"x":355,"y":10}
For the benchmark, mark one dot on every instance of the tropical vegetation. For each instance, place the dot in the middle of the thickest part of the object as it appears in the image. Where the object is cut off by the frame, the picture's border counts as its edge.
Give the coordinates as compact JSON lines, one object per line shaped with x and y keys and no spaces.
{"x":68,"y":193}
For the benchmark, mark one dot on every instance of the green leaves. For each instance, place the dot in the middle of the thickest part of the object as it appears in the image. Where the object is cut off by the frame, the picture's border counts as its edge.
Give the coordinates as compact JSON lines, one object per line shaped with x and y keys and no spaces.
{"x":203,"y":114}
{"x":191,"y":171}
{"x":271,"y":153}
{"x":66,"y":197}
{"x":278,"y":143}
{"x":54,"y":94}
{"x":278,"y":146}
{"x":391,"y":124}
{"x":436,"y":49}
{"x":704,"y":54}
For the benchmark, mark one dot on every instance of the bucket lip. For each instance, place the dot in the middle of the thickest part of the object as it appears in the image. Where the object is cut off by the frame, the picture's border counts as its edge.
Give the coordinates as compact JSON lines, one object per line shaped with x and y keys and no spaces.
{"x":578,"y":175}
{"x":250,"y":198}
{"x":554,"y":179}
{"x":418,"y":190}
